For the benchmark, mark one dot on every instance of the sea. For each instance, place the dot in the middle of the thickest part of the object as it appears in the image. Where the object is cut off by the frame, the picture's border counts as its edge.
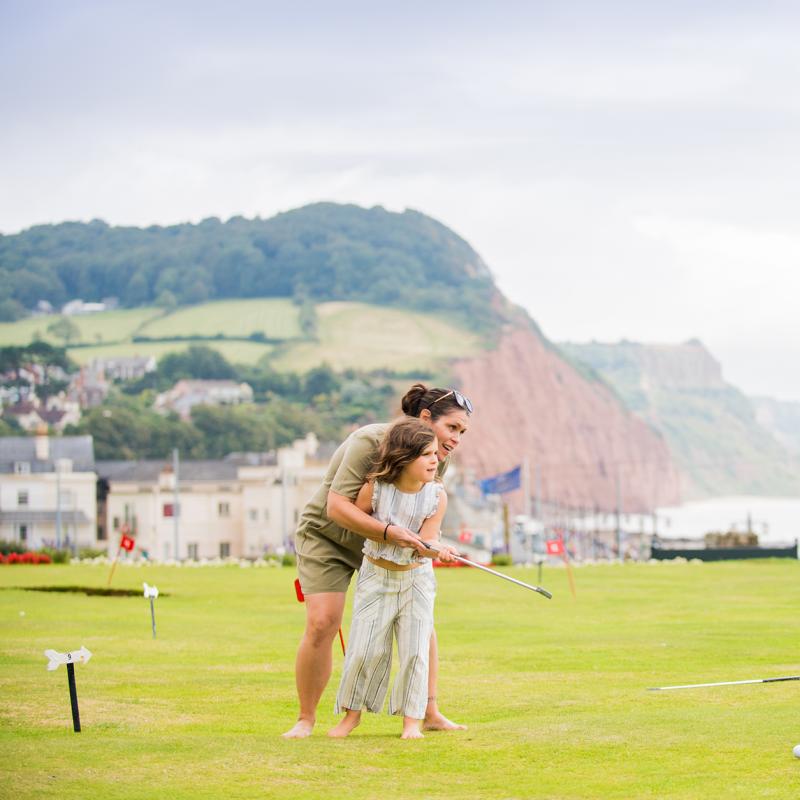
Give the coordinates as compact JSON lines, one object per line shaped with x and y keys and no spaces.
{"x":776,"y":520}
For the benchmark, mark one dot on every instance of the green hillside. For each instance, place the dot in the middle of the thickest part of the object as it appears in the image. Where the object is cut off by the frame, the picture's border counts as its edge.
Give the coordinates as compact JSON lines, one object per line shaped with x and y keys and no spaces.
{"x":360,"y":336}
{"x":710,"y":426}
{"x":273,"y":318}
{"x":349,"y":335}
{"x":106,"y":326}
{"x":323,"y":252}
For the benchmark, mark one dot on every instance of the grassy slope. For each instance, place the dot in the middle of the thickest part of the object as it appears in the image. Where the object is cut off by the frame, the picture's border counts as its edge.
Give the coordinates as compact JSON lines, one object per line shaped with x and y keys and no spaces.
{"x":364,"y":336}
{"x":350,"y":334}
{"x":109,"y":326}
{"x":275,"y":318}
{"x":554,"y":692}
{"x":235,"y":352}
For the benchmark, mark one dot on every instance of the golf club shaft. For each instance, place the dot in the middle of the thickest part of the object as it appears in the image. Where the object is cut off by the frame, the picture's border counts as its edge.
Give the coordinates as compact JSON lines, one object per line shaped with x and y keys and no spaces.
{"x":725,"y":683}
{"x":505,"y":577}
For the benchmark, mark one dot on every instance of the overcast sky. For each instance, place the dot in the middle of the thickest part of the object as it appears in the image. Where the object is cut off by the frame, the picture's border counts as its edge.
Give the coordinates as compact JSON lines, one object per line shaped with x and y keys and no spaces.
{"x":625,"y":171}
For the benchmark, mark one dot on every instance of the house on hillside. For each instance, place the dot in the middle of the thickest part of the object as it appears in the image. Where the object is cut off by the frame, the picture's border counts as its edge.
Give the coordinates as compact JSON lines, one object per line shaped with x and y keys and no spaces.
{"x":55,"y":413}
{"x":47,"y":491}
{"x":186,"y":394}
{"x":124,"y":369}
{"x":89,"y":387}
{"x":245,"y":505}
{"x":77,"y":307}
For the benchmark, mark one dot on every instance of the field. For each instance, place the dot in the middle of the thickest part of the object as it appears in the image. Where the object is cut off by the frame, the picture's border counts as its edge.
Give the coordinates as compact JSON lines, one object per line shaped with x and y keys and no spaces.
{"x":350,"y":335}
{"x":554,"y":692}
{"x":368,"y":337}
{"x":106,"y":326}
{"x":234,"y":352}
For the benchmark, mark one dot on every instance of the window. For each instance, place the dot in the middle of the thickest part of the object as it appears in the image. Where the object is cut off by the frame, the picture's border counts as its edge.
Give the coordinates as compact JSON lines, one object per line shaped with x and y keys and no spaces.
{"x":224,"y":549}
{"x":101,"y":533}
{"x":223,"y":509}
{"x":191,"y":551}
{"x":116,"y":523}
{"x":22,"y":532}
{"x":22,"y":468}
{"x":253,"y":514}
{"x":22,"y":498}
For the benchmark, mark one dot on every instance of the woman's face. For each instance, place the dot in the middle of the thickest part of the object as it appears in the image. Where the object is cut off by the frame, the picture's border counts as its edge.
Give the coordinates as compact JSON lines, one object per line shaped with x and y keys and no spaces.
{"x":448,"y":428}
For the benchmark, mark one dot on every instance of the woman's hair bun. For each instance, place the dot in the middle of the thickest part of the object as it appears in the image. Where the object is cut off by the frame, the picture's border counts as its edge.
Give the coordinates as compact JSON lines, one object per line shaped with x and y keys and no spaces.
{"x":412,"y":398}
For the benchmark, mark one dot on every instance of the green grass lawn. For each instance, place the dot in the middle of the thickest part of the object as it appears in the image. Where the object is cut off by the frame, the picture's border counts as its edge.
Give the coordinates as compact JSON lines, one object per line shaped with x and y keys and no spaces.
{"x":360,"y":336}
{"x":554,"y":692}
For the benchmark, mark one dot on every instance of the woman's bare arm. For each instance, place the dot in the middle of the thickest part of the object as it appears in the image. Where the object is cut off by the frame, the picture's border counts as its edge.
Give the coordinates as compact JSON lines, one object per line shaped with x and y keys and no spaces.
{"x":345,"y":512}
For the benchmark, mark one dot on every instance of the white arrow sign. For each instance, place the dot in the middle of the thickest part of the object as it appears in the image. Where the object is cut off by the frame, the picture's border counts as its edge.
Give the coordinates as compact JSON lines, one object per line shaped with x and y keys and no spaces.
{"x":150,"y":591}
{"x":75,"y":657}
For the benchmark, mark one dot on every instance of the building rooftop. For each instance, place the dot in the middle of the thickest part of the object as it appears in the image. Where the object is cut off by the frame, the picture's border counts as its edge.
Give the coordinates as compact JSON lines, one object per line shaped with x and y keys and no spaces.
{"x":22,"y":449}
{"x":148,"y":471}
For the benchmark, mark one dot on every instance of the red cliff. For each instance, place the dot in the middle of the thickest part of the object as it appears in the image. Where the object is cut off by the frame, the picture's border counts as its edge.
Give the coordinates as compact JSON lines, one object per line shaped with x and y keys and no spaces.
{"x":530,"y":402}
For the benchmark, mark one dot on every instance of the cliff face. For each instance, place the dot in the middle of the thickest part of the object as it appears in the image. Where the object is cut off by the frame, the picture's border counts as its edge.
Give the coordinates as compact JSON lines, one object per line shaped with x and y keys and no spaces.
{"x":712,"y":429}
{"x":781,"y":419}
{"x":575,"y":432}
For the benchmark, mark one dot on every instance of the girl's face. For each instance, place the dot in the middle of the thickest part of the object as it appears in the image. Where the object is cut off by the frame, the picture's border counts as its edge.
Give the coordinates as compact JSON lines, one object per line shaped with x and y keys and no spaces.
{"x":448,"y":428}
{"x":423,"y":467}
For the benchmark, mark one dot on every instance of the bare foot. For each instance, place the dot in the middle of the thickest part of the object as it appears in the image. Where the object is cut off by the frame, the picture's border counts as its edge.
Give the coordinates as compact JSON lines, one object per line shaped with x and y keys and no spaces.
{"x":411,"y":729}
{"x":302,"y":728}
{"x":439,"y":722}
{"x":346,"y":726}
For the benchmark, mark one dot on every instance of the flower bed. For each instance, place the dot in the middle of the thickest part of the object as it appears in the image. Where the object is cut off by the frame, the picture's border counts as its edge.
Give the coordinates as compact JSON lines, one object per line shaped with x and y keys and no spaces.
{"x":25,"y":558}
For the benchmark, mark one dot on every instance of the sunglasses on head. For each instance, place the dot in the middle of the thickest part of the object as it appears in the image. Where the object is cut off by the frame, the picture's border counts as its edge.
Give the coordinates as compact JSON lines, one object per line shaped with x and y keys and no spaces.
{"x":462,"y":401}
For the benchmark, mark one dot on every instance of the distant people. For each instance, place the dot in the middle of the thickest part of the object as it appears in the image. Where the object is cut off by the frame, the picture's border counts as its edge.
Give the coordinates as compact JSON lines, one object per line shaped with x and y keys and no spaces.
{"x":330,"y":539}
{"x":396,"y":587}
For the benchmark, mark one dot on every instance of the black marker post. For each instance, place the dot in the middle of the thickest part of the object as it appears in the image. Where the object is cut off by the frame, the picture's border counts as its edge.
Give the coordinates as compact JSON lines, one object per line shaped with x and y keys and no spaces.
{"x":73,"y":698}
{"x":70,"y":659}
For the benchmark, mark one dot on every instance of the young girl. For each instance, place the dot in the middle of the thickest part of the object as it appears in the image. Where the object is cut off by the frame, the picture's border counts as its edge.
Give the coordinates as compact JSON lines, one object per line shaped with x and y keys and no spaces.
{"x":395,"y":588}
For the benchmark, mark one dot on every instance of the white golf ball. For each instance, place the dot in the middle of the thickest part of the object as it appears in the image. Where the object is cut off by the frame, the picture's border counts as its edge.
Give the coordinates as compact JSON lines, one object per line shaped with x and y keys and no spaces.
{"x":796,"y":751}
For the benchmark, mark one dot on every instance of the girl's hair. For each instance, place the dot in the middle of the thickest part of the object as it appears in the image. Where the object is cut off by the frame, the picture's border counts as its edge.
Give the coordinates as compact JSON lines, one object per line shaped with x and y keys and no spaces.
{"x":439,"y":402}
{"x":403,"y":442}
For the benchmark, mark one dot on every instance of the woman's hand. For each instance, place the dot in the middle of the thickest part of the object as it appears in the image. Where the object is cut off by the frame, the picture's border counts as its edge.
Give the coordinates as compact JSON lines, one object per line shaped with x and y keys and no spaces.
{"x":403,"y":537}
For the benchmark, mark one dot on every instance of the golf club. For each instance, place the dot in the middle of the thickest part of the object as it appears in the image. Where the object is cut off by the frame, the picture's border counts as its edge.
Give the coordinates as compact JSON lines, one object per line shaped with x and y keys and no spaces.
{"x":724,"y":683}
{"x":463,"y":560}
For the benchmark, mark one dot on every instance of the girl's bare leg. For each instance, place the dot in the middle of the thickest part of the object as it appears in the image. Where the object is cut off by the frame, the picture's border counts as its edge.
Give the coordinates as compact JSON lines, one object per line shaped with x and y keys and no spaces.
{"x":411,"y":729}
{"x":346,"y":725}
{"x":434,"y":719}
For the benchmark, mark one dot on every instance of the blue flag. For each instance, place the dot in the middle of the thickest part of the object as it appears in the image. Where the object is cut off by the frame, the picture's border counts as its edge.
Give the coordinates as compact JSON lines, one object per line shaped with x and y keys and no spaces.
{"x":500,"y":484}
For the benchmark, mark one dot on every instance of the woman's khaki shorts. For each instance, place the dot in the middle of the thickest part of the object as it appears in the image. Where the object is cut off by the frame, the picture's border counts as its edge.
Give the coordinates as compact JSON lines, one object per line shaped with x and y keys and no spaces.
{"x":323,"y":564}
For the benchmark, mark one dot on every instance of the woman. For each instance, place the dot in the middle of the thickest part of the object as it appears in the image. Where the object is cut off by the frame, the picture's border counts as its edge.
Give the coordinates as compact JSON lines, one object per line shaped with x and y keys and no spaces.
{"x":330,"y":538}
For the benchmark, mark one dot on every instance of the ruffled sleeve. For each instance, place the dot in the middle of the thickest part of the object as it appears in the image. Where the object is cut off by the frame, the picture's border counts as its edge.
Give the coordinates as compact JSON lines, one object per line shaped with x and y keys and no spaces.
{"x":435,"y":493}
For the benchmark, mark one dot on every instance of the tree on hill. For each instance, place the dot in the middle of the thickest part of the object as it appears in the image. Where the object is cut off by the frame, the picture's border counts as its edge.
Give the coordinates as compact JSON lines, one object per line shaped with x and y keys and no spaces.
{"x":197,"y":362}
{"x":320,"y":252}
{"x":65,"y":329}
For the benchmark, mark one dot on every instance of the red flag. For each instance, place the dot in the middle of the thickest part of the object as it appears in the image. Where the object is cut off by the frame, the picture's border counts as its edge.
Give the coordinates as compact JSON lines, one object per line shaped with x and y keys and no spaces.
{"x":298,"y":590}
{"x":555,"y":547}
{"x":126,"y":543}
